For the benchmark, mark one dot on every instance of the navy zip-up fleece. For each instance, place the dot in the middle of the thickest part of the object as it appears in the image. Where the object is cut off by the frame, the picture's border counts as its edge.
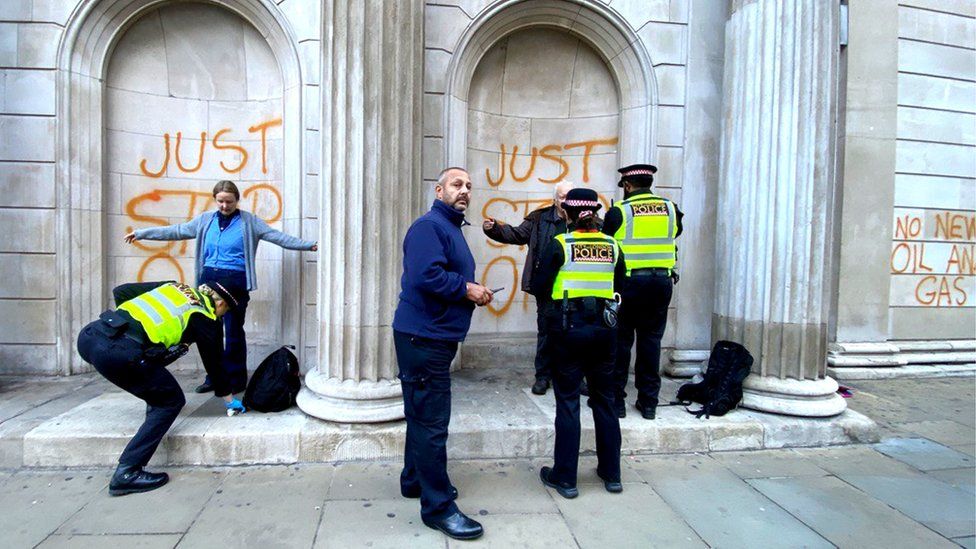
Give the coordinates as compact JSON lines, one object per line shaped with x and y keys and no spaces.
{"x":437,"y":265}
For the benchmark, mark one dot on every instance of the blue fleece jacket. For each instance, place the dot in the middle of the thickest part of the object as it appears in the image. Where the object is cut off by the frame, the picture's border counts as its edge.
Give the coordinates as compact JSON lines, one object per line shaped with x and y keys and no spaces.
{"x":437,"y":265}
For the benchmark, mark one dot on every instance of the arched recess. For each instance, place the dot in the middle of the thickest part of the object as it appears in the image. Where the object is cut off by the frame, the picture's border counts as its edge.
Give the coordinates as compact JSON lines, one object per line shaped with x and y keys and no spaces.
{"x":594,"y":23}
{"x":90,"y":36}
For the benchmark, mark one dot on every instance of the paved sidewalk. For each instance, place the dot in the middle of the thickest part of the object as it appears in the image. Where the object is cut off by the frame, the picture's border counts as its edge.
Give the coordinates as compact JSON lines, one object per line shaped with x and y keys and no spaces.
{"x":914,"y":489}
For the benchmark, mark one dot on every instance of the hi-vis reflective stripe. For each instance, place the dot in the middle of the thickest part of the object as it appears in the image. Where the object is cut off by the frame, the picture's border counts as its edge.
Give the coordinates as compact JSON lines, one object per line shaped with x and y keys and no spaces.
{"x":169,"y":307}
{"x":629,"y":236}
{"x":147,"y":309}
{"x":650,"y":256}
{"x":587,"y":285}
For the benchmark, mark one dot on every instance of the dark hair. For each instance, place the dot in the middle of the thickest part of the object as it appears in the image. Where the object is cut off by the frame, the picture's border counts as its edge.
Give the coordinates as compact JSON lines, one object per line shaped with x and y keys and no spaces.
{"x":587,"y":223}
{"x":226,"y":186}
{"x":641,"y":182}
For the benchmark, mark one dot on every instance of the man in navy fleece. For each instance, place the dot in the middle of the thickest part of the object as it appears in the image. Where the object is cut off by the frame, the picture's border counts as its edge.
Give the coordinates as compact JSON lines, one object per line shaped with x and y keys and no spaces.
{"x":436,"y":301}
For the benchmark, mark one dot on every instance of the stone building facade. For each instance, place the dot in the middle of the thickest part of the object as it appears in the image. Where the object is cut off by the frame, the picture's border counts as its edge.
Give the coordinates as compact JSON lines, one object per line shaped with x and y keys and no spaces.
{"x":824,"y":155}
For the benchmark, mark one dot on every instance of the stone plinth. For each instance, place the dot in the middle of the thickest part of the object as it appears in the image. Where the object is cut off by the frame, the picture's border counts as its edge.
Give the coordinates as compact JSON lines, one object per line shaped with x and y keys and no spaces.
{"x":776,"y":197}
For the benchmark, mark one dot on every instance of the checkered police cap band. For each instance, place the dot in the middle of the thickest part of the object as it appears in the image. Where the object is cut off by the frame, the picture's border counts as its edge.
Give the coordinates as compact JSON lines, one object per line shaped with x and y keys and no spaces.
{"x":581,"y":203}
{"x":226,"y":294}
{"x":640,"y":171}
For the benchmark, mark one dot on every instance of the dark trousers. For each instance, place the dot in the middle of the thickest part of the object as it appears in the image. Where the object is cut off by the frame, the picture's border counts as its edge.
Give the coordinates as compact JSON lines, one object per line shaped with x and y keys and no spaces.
{"x":426,"y":379}
{"x":234,"y":359}
{"x":118,"y":360}
{"x":644,"y":314}
{"x":543,"y":358}
{"x":585,"y":349}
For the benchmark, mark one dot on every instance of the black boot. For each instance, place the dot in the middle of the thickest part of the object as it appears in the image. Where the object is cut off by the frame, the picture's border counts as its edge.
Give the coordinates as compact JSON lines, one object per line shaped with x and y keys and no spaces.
{"x":540,"y":386}
{"x":204,"y":387}
{"x":130,"y":479}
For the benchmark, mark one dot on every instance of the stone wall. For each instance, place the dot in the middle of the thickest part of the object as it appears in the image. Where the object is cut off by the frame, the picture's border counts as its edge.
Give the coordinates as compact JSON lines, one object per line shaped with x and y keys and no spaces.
{"x":933,"y":282}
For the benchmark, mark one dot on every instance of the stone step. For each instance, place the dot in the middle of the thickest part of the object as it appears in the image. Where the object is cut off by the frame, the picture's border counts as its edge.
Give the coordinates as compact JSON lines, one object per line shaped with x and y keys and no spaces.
{"x":494,"y":416}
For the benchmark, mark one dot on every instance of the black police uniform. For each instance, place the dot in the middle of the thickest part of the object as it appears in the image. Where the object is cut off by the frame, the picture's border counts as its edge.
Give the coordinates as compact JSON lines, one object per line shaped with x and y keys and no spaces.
{"x":584,"y":346}
{"x":124,"y":355}
{"x":646,"y":295}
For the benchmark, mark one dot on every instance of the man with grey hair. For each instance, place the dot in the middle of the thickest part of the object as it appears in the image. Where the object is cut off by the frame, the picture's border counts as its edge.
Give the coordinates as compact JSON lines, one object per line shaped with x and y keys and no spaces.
{"x":537,"y":230}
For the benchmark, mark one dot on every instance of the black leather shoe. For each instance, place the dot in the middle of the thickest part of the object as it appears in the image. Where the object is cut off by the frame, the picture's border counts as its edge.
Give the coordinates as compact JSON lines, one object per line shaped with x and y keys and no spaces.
{"x":621,"y":411}
{"x":457,"y":526}
{"x":131,"y":480}
{"x":540,"y":386}
{"x":414,"y":494}
{"x":584,"y":389}
{"x":612,"y":486}
{"x":204,"y":387}
{"x":647,"y":412}
{"x":566,"y":491}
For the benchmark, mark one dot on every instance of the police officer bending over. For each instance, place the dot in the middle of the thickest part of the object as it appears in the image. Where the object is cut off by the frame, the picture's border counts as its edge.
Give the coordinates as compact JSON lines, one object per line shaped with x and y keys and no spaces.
{"x":153,"y":326}
{"x":581,"y":270}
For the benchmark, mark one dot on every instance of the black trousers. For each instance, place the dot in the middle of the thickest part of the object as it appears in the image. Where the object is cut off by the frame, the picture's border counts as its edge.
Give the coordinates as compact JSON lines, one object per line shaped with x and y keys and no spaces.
{"x":426,"y":379}
{"x":586,"y":348}
{"x":118,"y":360}
{"x":543,"y":357}
{"x":234,"y":360}
{"x":643,"y":315}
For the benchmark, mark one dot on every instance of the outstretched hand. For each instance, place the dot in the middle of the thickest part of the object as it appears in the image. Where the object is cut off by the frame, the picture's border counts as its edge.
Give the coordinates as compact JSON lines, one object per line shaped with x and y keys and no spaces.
{"x":488,"y":224}
{"x":130,"y":238}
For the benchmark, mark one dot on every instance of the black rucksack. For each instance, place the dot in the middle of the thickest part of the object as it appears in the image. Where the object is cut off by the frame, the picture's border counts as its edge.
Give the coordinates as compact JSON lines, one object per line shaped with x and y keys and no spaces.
{"x":721,"y":388}
{"x":275,"y":384}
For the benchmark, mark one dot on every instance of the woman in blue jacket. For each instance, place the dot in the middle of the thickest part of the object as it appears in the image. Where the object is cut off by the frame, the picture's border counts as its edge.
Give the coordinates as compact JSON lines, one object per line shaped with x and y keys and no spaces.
{"x":227,"y":243}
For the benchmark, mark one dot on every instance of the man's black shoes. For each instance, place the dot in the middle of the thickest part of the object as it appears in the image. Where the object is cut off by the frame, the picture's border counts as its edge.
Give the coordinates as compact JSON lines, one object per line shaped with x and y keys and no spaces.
{"x":204,"y":387}
{"x":415,"y":493}
{"x":457,"y":526}
{"x":132,"y":480}
{"x":540,"y":386}
{"x":612,"y":486}
{"x":647,"y":411}
{"x":566,"y":491}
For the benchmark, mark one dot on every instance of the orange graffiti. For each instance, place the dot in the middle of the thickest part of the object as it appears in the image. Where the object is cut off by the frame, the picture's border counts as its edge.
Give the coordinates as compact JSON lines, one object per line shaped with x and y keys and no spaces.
{"x":216,"y":143}
{"x":492,"y":308}
{"x":196,"y":203}
{"x":546,"y":153}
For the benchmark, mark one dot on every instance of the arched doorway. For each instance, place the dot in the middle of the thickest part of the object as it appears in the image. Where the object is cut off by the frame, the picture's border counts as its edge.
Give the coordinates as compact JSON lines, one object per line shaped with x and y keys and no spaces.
{"x":93,"y":194}
{"x":543,"y":108}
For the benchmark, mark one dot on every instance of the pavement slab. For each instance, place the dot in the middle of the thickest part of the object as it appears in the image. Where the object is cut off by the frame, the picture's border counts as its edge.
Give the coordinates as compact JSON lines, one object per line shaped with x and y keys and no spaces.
{"x":943,"y":431}
{"x":126,"y":541}
{"x":363,"y":480}
{"x":168,"y":510}
{"x":968,"y":542}
{"x":846,"y":516}
{"x":376,"y":524}
{"x":531,"y":531}
{"x":923,"y":454}
{"x":267,"y":507}
{"x":963,"y":479}
{"x":722,"y":508}
{"x":768,"y":463}
{"x":500,"y":487}
{"x":648,"y":521}
{"x":35,"y":504}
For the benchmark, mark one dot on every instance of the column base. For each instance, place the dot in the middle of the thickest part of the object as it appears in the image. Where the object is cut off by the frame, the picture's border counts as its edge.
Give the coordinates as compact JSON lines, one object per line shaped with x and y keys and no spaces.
{"x":349,"y":401}
{"x":794,"y":397}
{"x":686,"y":363}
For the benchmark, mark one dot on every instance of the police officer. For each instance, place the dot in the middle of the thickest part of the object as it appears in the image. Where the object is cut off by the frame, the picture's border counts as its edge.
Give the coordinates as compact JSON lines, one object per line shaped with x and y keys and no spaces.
{"x":153,"y":326}
{"x":645,"y":225}
{"x":580,"y":271}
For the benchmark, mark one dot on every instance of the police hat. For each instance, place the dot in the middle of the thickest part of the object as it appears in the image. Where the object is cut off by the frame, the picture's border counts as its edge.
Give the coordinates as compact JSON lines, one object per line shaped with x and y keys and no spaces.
{"x":230,"y":291}
{"x":582,"y":199}
{"x":638,"y":174}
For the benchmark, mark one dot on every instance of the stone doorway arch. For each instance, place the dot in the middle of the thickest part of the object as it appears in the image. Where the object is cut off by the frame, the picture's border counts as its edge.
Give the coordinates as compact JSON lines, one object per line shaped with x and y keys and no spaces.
{"x":90,"y":36}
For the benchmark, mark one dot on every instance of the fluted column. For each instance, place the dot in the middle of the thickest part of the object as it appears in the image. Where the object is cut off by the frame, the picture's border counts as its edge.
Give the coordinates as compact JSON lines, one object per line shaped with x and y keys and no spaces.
{"x":776,"y":199}
{"x":372,"y":66}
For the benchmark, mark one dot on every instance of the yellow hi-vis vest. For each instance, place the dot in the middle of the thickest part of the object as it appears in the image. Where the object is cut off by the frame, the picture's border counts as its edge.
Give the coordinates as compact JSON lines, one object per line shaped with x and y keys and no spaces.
{"x":647,"y":232}
{"x":165,"y":311}
{"x":588,"y":265}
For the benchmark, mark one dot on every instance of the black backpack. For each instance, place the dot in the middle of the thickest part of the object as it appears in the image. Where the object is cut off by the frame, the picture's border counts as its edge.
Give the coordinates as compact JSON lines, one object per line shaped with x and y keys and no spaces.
{"x":721,"y":389}
{"x":275,"y":384}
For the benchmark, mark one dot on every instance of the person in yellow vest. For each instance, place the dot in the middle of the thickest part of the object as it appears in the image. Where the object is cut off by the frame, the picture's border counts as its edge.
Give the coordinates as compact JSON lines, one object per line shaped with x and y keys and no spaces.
{"x":131,"y":346}
{"x":645,"y":225}
{"x":581,"y":270}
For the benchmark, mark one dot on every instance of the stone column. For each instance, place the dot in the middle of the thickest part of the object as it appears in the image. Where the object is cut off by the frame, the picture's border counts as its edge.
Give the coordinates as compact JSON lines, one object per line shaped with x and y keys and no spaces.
{"x":372,"y":70}
{"x":775,"y":200}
